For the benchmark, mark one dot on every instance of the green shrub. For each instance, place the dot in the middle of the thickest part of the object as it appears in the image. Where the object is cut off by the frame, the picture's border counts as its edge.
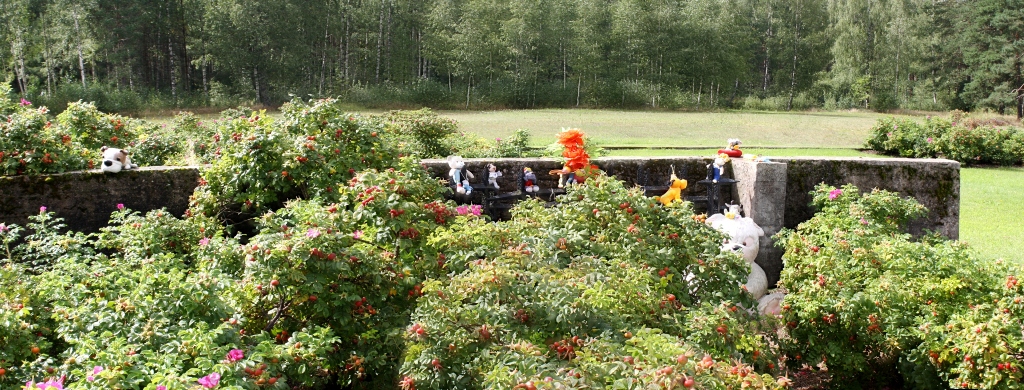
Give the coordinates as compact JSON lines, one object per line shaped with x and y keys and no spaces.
{"x":907,"y":137}
{"x":865,"y":298}
{"x":157,"y":146}
{"x":980,"y":145}
{"x":608,"y":288}
{"x":261,"y":163}
{"x":961,"y":138}
{"x":517,"y":145}
{"x":319,"y":295}
{"x":94,"y":129}
{"x":421,"y":133}
{"x":31,"y":144}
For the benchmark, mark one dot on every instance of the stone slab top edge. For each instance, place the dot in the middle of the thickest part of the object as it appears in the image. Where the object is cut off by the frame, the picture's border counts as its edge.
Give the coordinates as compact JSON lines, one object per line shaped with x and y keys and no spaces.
{"x":158,"y":168}
{"x":875,"y":160}
{"x":871,"y":160}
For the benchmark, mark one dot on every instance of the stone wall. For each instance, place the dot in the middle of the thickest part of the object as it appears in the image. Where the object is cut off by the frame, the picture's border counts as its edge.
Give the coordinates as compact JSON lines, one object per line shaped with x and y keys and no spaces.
{"x":85,"y":199}
{"x":935,"y":183}
{"x":774,"y":194}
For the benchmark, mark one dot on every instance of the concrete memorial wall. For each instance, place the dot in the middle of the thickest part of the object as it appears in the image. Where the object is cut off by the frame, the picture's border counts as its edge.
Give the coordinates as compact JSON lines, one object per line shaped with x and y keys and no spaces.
{"x":774,"y":194}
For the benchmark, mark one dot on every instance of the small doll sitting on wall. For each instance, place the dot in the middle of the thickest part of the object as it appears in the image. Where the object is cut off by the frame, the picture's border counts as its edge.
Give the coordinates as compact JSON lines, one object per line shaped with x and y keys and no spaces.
{"x":718,"y":167}
{"x":530,"y":180}
{"x":492,"y":176}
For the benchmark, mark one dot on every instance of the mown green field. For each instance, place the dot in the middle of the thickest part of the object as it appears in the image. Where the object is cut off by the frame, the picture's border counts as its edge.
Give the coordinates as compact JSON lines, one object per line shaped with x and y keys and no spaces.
{"x":710,"y":129}
{"x":990,"y":211}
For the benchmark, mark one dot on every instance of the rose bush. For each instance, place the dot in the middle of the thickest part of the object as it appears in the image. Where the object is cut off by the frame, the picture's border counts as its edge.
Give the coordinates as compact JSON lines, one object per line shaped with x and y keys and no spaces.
{"x":31,"y":144}
{"x":866,"y":298}
{"x":261,"y":163}
{"x":607,"y":288}
{"x":961,"y":138}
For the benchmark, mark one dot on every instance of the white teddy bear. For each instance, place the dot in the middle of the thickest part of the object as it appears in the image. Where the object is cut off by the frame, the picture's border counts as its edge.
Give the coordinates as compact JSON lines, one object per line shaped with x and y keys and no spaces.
{"x":460,"y":177}
{"x":744,"y":238}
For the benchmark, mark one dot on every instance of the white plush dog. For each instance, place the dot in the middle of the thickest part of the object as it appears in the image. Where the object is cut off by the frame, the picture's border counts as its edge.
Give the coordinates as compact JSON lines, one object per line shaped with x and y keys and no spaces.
{"x":114,"y":160}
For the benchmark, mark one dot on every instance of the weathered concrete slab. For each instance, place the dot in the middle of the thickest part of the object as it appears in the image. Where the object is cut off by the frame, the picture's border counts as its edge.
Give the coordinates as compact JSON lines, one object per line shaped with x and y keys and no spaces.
{"x":85,"y":199}
{"x":762,"y":193}
{"x":935,"y":183}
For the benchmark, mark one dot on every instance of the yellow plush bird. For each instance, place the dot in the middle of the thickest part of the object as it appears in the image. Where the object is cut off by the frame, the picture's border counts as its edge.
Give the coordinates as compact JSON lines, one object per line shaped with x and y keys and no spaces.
{"x":675,"y":191}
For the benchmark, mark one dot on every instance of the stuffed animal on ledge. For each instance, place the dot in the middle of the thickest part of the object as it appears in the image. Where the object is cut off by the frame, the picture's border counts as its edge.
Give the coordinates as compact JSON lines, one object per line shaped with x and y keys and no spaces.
{"x":576,"y":157}
{"x":114,"y":160}
{"x":718,"y":167}
{"x":492,"y":176}
{"x":675,"y":190}
{"x":566,"y":176}
{"x":530,"y":180}
{"x":733,"y":149}
{"x":459,"y":175}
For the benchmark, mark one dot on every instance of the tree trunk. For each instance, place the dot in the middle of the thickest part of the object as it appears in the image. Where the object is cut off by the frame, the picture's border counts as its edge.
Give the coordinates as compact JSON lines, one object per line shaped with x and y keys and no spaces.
{"x":711,"y":94}
{"x":469,"y":87}
{"x":206,"y":88}
{"x":348,"y":38}
{"x":796,"y":48}
{"x":49,"y":70}
{"x":78,"y":35}
{"x":323,"y":54}
{"x":387,"y":46}
{"x":174,"y":66}
{"x":767,"y":49}
{"x":578,"y":85}
{"x":735,"y":90}
{"x":699,"y":91}
{"x":380,"y":41}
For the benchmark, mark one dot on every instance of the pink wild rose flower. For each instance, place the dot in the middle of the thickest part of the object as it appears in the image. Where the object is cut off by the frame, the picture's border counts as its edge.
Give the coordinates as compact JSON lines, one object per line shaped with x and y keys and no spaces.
{"x":235,"y":355}
{"x":832,"y":195}
{"x":210,"y":381}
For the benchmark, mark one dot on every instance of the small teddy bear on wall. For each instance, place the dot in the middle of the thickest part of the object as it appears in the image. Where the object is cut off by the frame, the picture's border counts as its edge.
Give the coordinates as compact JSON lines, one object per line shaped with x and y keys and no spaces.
{"x":459,"y":176}
{"x":114,"y":160}
{"x":530,"y":180}
{"x":492,"y":176}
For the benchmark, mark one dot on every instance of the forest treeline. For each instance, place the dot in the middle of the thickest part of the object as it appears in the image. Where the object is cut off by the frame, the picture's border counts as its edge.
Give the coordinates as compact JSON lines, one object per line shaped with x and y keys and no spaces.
{"x":700,"y":54}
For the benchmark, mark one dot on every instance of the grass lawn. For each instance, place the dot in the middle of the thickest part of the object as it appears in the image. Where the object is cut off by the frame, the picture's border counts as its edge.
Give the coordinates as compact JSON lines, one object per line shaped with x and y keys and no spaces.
{"x":640,"y":128}
{"x":990,"y":211}
{"x":746,"y":151}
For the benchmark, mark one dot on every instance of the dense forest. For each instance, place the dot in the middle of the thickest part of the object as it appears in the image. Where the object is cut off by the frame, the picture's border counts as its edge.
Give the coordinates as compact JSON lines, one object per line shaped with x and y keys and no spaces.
{"x":671,"y":54}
